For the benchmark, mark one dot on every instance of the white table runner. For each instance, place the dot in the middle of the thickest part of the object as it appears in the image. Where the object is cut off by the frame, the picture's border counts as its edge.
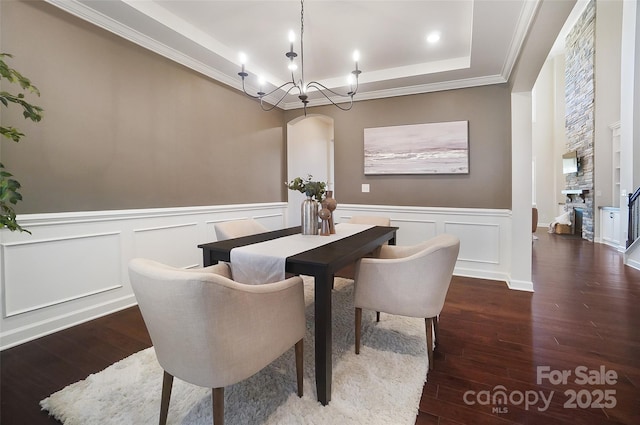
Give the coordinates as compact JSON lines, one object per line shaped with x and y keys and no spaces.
{"x":264,"y":262}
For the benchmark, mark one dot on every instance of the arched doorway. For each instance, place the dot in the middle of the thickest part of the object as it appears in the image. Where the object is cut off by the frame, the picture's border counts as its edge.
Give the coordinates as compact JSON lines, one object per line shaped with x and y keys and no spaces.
{"x":309,"y":151}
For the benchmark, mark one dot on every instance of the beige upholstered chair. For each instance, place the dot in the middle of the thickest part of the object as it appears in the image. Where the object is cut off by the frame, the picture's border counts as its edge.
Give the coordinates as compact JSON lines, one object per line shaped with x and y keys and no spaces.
{"x":408,"y":281}
{"x":213,"y":332}
{"x":348,"y":272}
{"x":373,"y":220}
{"x":370,"y":219}
{"x":238,"y":228}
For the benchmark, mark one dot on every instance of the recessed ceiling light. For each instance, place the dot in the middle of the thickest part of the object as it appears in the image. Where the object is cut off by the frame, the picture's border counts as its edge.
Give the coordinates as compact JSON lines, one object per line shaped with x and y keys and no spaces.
{"x":434,"y":37}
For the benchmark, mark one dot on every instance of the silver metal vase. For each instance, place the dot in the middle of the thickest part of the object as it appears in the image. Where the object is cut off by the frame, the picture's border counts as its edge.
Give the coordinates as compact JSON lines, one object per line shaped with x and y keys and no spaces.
{"x":309,"y":211}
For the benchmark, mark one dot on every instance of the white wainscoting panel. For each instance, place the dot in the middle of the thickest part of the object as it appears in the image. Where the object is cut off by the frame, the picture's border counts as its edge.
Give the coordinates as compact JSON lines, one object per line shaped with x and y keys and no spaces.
{"x":483,"y":233}
{"x":414,"y":230}
{"x":73,"y":267}
{"x":479,"y":242}
{"x":36,"y":277}
{"x":175,"y":245}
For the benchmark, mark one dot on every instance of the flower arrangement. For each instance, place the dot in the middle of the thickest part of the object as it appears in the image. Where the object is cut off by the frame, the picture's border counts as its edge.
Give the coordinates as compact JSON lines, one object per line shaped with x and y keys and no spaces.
{"x":312,"y":189}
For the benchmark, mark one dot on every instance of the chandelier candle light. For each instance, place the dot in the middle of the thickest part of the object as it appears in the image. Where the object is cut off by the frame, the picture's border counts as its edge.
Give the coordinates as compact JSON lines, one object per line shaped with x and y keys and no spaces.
{"x":300,"y":85}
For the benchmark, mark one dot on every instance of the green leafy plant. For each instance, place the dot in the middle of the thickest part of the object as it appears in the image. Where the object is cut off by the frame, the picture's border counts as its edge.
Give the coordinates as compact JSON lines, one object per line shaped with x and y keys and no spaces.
{"x":313,"y":189}
{"x":9,"y":195}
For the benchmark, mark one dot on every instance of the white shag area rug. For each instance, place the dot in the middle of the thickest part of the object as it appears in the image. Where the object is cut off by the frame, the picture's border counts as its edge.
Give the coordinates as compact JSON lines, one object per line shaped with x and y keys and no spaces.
{"x":382,"y":385}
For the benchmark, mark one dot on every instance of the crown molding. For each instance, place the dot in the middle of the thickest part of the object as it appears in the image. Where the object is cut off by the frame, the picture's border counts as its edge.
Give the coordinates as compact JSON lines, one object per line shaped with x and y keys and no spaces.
{"x":406,"y":91}
{"x":85,"y":12}
{"x":94,"y":17}
{"x":525,"y":20}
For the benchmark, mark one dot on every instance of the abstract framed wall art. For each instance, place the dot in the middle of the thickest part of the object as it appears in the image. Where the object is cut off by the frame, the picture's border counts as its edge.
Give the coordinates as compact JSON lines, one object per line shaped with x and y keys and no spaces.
{"x":434,"y":148}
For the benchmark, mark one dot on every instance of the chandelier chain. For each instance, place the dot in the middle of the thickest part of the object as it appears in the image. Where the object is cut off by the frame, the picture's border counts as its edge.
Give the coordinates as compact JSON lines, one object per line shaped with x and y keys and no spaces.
{"x":301,"y":43}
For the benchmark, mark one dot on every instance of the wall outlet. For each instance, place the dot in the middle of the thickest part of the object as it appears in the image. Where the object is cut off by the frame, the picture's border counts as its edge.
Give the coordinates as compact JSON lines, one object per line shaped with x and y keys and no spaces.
{"x":365,"y":188}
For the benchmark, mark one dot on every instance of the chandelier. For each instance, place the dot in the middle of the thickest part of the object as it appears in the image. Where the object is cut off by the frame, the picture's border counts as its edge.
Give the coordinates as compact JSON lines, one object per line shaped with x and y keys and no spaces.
{"x":300,"y":85}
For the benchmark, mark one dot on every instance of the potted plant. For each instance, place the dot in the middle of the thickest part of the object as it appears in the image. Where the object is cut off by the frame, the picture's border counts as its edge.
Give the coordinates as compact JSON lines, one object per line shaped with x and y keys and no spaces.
{"x":9,"y":195}
{"x":312,"y":189}
{"x":309,"y":210}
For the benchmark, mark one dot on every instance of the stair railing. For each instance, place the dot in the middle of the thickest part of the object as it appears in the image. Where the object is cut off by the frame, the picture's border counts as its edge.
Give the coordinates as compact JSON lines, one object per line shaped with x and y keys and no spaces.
{"x":633,"y":232}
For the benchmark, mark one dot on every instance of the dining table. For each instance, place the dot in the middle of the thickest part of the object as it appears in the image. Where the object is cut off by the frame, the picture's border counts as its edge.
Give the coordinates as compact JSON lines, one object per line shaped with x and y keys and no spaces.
{"x":321,"y":262}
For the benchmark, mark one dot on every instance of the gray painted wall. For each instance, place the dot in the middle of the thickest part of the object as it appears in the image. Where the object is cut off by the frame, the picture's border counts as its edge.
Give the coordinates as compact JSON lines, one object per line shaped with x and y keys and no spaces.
{"x":488,"y":184}
{"x":126,"y":128}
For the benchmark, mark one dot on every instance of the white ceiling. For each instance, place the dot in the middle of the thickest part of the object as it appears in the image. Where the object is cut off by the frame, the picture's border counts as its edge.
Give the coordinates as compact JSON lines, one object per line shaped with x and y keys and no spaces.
{"x":480,"y":39}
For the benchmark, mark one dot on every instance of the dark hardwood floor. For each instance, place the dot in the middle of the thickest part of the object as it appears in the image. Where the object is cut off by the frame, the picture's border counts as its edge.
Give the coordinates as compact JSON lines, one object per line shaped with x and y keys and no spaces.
{"x":585,"y":313}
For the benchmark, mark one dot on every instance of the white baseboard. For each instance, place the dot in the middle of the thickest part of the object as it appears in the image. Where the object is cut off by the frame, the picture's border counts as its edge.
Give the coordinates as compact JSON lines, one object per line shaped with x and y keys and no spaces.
{"x":632,"y":255}
{"x":54,"y":324}
{"x":481,"y":274}
{"x":633,"y":263}
{"x":520,"y":285}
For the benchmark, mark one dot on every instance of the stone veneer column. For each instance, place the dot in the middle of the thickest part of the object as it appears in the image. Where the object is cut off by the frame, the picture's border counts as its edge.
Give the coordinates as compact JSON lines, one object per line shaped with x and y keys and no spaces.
{"x":580,"y":95}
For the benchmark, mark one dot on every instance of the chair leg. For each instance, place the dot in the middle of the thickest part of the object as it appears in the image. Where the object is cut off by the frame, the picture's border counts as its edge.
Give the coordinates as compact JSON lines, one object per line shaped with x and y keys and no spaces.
{"x":436,"y":330}
{"x":377,"y":316}
{"x":217,"y":397}
{"x":428,"y":324}
{"x":358,"y":324}
{"x":167,"y":383}
{"x":299,"y":365}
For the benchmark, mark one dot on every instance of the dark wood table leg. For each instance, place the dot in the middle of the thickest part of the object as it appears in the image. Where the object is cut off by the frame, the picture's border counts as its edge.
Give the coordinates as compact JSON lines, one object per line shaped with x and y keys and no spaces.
{"x":206,"y":258}
{"x":323,"y":343}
